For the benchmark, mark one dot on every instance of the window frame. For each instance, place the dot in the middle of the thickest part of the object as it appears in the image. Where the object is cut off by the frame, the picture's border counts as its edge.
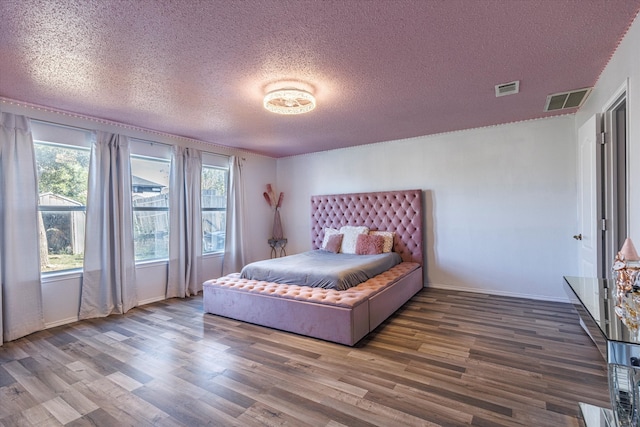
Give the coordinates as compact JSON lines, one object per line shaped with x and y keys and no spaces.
{"x":224,"y":209}
{"x":134,"y":209}
{"x":75,"y":139}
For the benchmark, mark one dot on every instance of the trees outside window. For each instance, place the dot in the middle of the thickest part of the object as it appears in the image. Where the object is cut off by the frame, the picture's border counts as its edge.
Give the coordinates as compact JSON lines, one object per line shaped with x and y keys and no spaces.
{"x":62,"y":161}
{"x":63,"y":172}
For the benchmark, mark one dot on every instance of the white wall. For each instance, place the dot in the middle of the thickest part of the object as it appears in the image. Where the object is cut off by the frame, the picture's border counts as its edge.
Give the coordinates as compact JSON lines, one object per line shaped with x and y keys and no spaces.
{"x":61,"y":292}
{"x":500,"y":201}
{"x":623,"y":69}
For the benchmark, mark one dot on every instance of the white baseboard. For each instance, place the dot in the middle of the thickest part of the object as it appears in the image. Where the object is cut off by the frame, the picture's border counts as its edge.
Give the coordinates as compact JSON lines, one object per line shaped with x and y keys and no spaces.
{"x":75,"y":318}
{"x":61,"y":322}
{"x":150,"y":300}
{"x":495,"y":292}
{"x":429,"y":285}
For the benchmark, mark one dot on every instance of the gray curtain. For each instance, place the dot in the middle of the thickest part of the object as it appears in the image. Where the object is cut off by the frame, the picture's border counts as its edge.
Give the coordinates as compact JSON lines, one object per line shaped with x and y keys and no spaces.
{"x":234,"y":248}
{"x":20,"y":289}
{"x":108,"y":280}
{"x":185,"y":219}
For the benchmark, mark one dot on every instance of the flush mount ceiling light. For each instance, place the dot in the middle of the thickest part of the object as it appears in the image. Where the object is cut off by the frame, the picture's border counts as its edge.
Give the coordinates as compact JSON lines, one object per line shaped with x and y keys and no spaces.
{"x":289,"y":101}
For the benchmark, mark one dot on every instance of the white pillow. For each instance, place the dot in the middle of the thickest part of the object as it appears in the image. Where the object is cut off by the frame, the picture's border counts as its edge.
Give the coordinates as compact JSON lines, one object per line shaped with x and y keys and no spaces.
{"x":350,"y":237}
{"x":327,"y":233}
{"x":388,"y":239}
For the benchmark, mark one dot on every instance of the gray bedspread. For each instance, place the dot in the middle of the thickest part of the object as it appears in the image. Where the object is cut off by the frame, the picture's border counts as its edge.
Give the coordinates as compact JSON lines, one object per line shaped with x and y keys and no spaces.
{"x":321,"y":269}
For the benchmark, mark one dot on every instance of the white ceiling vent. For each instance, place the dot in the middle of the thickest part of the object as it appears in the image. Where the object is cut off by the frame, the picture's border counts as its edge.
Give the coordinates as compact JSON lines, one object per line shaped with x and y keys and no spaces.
{"x":564,"y":100}
{"x":508,"y":88}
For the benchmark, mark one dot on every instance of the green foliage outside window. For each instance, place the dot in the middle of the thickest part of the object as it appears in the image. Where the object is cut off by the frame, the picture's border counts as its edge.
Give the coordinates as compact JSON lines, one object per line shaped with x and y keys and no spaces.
{"x":215,"y":180}
{"x":63,"y":171}
{"x":62,"y":184}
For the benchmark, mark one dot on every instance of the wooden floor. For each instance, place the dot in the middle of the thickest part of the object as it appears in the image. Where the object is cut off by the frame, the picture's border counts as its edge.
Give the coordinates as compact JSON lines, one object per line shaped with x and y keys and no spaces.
{"x":446,"y":358}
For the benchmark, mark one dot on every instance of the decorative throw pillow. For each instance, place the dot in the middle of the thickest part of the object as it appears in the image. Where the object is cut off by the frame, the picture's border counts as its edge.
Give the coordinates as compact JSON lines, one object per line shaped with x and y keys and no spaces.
{"x":368,"y":244}
{"x":328,"y":232}
{"x":388,"y":239}
{"x":334,"y":242}
{"x":351,"y":233}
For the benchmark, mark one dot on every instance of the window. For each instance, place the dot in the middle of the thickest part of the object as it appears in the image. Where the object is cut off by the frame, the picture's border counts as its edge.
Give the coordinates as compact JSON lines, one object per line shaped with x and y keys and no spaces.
{"x":63,"y":172}
{"x":214,"y":208}
{"x":150,"y":194}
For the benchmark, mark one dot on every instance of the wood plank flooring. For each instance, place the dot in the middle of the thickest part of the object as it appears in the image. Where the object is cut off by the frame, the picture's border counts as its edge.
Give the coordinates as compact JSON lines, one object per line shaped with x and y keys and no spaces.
{"x":445,"y":359}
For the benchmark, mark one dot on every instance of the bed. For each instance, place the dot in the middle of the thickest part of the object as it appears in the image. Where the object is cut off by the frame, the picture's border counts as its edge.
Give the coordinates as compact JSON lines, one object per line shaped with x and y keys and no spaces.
{"x":342,"y":316}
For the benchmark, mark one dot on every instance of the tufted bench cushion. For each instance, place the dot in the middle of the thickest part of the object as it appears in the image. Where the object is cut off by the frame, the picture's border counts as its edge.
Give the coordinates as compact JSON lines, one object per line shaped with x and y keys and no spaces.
{"x":347,"y":298}
{"x":340,"y":316}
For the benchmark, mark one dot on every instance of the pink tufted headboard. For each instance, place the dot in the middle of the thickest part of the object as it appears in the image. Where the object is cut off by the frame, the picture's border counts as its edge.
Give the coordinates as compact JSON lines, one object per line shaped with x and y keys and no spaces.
{"x":397,"y":211}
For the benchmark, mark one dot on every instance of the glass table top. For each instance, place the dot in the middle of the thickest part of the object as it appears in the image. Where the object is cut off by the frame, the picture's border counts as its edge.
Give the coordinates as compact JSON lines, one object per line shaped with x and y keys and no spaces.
{"x":595,"y":301}
{"x":598,"y":298}
{"x":594,"y":416}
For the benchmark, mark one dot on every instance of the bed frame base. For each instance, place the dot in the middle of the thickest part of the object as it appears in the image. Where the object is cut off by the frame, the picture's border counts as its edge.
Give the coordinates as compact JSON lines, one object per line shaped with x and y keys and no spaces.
{"x":397,"y":211}
{"x":327,"y":322}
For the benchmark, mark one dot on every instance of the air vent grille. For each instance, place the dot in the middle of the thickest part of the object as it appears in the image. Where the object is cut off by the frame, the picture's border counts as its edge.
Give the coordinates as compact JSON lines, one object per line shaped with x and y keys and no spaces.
{"x":565,"y":100}
{"x":508,"y":88}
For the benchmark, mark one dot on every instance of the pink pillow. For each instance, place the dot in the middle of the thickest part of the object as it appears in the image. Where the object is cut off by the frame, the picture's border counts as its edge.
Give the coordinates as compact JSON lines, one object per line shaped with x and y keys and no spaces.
{"x":328,"y":231}
{"x":333,"y":243}
{"x":351,"y":233}
{"x":368,"y":244}
{"x":388,"y":239}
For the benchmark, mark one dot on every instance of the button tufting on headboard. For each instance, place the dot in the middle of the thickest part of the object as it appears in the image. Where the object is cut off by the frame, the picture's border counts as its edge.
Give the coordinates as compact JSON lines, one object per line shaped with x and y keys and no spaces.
{"x":397,"y":211}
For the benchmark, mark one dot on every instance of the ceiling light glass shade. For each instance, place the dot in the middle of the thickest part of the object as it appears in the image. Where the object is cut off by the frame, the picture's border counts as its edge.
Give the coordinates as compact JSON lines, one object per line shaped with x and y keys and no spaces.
{"x":289,"y":101}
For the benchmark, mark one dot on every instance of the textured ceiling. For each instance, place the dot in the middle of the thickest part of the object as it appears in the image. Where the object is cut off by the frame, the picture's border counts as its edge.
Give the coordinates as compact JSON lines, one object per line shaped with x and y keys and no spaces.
{"x":381,"y":70}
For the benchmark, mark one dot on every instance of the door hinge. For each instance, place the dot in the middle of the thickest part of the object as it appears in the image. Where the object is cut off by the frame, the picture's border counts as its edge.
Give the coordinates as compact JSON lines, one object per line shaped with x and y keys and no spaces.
{"x":603,"y":138}
{"x":604,"y":224}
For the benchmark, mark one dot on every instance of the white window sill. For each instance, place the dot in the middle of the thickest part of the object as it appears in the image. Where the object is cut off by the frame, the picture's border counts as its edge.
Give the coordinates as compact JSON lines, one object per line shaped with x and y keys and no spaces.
{"x":213,"y":255}
{"x":151,"y":263}
{"x":57,"y":276}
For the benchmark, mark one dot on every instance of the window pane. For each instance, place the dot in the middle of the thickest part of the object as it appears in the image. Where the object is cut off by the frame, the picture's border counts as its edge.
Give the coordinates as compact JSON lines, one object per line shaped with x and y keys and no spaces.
{"x":213,"y":230}
{"x":150,"y":193}
{"x":151,"y":235}
{"x":62,"y":187}
{"x":214,"y":187}
{"x":63,"y":173}
{"x":214,"y":205}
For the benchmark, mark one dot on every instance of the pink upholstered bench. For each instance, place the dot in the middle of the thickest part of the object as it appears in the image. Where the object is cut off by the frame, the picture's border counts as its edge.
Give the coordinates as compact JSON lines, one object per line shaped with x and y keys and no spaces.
{"x":339,"y":316}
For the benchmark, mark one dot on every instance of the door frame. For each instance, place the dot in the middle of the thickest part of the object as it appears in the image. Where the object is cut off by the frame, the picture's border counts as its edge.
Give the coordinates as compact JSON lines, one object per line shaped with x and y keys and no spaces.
{"x":589,"y":153}
{"x":616,"y":225}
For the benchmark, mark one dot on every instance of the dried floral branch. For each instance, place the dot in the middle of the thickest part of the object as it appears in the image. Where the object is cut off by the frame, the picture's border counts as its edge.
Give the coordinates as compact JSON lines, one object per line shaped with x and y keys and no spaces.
{"x":272,"y":196}
{"x":267,"y":198}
